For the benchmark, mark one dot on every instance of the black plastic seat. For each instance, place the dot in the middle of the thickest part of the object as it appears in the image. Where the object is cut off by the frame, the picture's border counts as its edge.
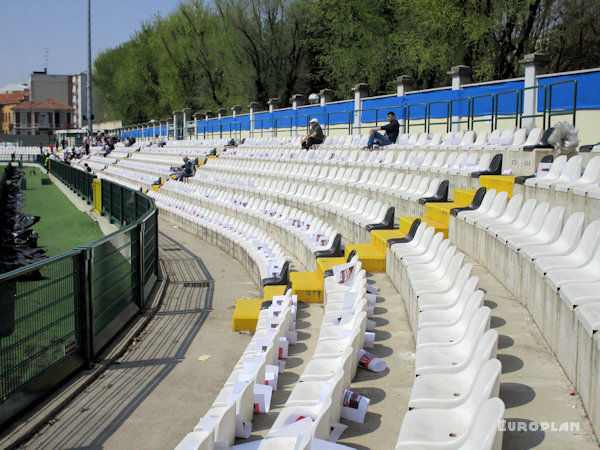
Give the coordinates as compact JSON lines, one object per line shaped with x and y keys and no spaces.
{"x":386,"y":224}
{"x":282,"y":278}
{"x":333,"y":251}
{"x":476,"y":203}
{"x":440,"y":196}
{"x":409,"y":236}
{"x":494,"y":169}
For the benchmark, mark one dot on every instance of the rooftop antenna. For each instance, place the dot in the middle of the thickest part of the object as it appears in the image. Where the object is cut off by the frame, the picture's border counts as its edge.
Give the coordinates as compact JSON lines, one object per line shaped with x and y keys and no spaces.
{"x":46,"y":50}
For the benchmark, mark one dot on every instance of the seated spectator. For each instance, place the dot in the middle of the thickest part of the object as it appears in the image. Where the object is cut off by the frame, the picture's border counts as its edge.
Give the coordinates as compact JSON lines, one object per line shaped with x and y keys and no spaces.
{"x":160,"y":141}
{"x":186,"y":170}
{"x":87,"y":168}
{"x":391,"y":133}
{"x":314,"y":136}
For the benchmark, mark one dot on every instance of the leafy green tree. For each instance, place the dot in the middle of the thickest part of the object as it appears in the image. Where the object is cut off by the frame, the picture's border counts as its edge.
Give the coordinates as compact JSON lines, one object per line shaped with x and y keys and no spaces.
{"x":265,"y":42}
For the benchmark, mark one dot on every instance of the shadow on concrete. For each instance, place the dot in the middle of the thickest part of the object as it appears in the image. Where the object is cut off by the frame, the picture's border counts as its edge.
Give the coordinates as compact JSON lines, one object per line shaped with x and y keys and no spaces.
{"x":379,"y":310}
{"x":382,"y":335}
{"x":490,"y":304}
{"x":505,"y":341}
{"x":376,"y":395}
{"x":516,"y":394}
{"x":372,"y":423}
{"x":497,"y":322}
{"x":510,"y":363}
{"x":380,"y":321}
{"x":521,"y":434}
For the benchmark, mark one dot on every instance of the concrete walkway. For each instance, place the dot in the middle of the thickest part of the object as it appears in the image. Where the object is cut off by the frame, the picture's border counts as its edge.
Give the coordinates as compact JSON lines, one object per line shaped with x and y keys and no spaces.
{"x":155,"y":393}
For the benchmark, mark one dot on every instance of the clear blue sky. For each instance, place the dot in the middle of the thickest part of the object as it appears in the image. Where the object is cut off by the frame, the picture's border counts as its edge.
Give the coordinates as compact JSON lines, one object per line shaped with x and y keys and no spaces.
{"x":27,"y":27}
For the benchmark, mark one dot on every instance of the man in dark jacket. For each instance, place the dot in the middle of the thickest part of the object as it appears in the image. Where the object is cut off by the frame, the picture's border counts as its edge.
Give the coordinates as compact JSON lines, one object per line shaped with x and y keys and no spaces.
{"x":187,"y":170}
{"x":391,"y":133}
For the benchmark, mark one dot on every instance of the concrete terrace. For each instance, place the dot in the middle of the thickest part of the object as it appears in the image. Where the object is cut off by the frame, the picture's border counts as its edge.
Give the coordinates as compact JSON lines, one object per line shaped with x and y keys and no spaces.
{"x":158,"y":389}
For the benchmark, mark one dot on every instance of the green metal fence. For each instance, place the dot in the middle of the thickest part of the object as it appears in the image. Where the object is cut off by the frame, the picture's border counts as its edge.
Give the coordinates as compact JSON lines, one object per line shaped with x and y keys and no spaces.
{"x":78,"y":180}
{"x":56,"y":316}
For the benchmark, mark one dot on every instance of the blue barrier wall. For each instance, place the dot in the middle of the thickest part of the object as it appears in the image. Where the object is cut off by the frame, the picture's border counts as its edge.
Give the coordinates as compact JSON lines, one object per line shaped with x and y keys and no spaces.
{"x":435,"y":104}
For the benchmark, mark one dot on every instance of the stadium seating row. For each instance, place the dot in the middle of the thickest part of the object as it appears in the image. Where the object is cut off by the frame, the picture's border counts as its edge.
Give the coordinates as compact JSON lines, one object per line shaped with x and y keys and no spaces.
{"x":552,"y":266}
{"x":262,"y":257}
{"x":457,"y":376}
{"x":292,"y":227}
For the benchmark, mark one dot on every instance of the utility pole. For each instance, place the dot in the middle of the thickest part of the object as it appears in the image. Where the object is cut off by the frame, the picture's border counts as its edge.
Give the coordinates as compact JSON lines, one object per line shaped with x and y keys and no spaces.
{"x":89,"y":74}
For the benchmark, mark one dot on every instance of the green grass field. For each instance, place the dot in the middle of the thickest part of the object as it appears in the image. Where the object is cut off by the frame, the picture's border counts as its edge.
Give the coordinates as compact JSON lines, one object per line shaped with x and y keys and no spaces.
{"x":62,"y":226}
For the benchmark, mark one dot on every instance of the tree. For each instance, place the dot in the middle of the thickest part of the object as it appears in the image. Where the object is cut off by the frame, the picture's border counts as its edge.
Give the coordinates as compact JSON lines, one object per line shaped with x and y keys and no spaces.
{"x":350,"y":41}
{"x":265,"y":41}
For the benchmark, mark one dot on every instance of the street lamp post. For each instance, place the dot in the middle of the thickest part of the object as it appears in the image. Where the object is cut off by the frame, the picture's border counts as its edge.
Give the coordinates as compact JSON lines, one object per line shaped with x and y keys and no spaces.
{"x":89,"y":75}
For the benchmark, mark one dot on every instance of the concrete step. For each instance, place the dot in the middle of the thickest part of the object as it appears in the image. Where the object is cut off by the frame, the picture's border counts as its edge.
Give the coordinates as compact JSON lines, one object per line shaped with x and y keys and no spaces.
{"x":406,"y":222}
{"x":498,"y":182}
{"x":308,"y":286}
{"x":371,"y":256}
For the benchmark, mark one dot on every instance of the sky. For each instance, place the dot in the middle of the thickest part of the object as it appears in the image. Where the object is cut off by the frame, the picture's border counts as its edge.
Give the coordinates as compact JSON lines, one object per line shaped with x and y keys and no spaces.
{"x":31,"y":28}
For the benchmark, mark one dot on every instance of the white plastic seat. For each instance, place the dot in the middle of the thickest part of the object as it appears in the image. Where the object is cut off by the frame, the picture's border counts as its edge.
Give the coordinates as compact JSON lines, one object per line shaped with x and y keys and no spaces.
{"x":553,"y":173}
{"x":570,"y":173}
{"x":449,"y":316}
{"x":546,"y":234}
{"x":518,"y":223}
{"x":566,"y":242}
{"x":534,"y":224}
{"x":452,"y":358}
{"x":584,"y":271}
{"x":509,"y":214}
{"x":462,"y":288}
{"x":590,"y":178}
{"x":445,"y":428}
{"x":319,"y":415}
{"x":434,"y":390}
{"x":465,"y":328}
{"x":486,"y":204}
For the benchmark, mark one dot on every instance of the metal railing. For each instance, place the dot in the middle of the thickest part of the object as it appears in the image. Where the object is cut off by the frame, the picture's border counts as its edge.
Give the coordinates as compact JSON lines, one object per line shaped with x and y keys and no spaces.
{"x":218,"y":130}
{"x":79,"y":181}
{"x":57,"y":315}
{"x":562,"y":111}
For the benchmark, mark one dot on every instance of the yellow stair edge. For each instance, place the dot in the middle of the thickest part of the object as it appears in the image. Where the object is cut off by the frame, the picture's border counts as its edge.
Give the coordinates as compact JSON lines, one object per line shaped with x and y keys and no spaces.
{"x":372,"y":257}
{"x":308,"y":286}
{"x":271,"y":291}
{"x":498,"y":182}
{"x":464,"y":197}
{"x":440,"y":212}
{"x":245,"y":315}
{"x":379,"y":238}
{"x":324,"y":264}
{"x":406,"y":222}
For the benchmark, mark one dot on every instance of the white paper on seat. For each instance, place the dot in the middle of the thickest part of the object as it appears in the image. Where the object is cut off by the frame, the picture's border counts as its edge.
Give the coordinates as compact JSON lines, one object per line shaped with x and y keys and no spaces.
{"x":342,"y":272}
{"x":262,"y":398}
{"x":243,"y":428}
{"x":354,"y":406}
{"x":336,"y":431}
{"x":271,"y":376}
{"x":349,"y":300}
